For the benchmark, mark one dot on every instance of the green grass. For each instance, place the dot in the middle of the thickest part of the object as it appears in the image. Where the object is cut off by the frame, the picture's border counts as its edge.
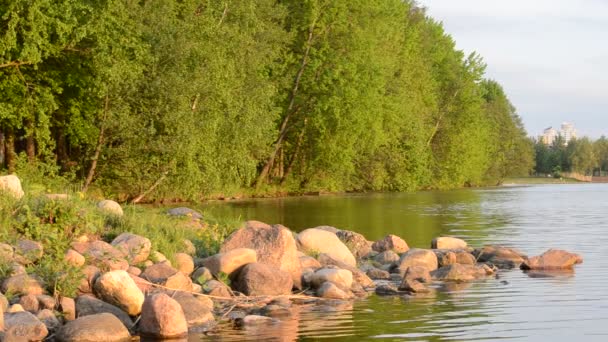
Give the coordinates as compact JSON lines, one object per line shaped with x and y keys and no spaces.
{"x":539,"y":180}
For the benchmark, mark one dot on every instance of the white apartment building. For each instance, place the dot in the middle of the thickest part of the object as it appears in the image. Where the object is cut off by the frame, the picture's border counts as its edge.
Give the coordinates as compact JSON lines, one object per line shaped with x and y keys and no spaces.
{"x":567,"y":132}
{"x":549,"y":135}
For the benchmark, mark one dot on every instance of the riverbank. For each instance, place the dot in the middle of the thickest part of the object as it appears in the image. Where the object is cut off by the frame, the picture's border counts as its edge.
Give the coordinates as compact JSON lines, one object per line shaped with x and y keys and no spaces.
{"x":538,"y":180}
{"x":76,"y":278}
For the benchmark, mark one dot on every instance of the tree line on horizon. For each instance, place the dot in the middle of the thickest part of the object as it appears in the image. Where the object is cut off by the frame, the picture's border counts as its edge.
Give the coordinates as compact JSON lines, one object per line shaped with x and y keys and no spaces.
{"x":584,"y":156}
{"x":170,"y":98}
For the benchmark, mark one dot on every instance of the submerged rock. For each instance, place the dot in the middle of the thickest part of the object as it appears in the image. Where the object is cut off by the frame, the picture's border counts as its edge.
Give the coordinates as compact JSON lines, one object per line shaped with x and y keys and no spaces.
{"x":162,"y":317}
{"x":258,"y":279}
{"x":331,"y":291}
{"x":501,"y":257}
{"x":446,"y":242}
{"x":337,"y":276}
{"x":459,"y":272}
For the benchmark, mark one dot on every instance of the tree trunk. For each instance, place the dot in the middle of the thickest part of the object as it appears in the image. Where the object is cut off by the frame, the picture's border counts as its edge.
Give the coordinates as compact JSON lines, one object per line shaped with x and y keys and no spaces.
{"x":98,"y":147}
{"x":30,"y":144}
{"x":294,"y":156}
{"x":11,"y":156}
{"x":2,"y":154}
{"x":290,"y":109}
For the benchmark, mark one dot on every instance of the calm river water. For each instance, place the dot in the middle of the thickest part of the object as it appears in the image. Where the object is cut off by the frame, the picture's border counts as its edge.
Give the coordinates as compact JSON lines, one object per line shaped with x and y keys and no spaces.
{"x":513,"y":307}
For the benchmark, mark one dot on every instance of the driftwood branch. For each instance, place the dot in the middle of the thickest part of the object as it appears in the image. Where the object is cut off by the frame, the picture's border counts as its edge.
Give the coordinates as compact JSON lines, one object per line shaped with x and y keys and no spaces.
{"x":150,"y":189}
{"x":98,"y":147}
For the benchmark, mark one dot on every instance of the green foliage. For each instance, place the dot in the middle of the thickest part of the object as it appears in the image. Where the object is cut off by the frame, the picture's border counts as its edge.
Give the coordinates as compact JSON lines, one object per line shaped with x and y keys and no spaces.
{"x":183,"y":99}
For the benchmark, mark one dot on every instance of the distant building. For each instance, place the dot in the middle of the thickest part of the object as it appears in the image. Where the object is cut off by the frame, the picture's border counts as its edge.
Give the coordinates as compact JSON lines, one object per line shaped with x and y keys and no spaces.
{"x":549,"y":136}
{"x":567,"y":132}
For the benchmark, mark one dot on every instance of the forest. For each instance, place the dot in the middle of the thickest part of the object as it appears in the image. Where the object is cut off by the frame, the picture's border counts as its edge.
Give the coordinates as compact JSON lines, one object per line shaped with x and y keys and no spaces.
{"x":583,"y":156}
{"x":198,"y":98}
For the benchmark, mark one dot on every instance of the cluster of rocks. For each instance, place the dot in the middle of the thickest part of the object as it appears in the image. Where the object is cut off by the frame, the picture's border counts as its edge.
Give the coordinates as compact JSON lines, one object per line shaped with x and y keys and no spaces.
{"x":129,"y":289}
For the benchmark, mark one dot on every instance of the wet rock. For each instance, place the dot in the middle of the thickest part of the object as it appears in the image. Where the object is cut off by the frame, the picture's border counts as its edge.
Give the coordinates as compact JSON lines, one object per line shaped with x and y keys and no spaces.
{"x":386,"y":257}
{"x":134,"y":248}
{"x":355,"y":242}
{"x":446,"y":242}
{"x":459,"y":272}
{"x":88,"y":305}
{"x":449,"y":257}
{"x":183,"y":211}
{"x":415,"y":279}
{"x":198,"y":311}
{"x":162,"y":317}
{"x":103,"y":327}
{"x":553,"y":259}
{"x":23,"y":326}
{"x":230,"y":261}
{"x":391,"y":243}
{"x":309,"y":262}
{"x":376,"y":273}
{"x":74,"y":258}
{"x":28,"y":251}
{"x":501,"y":257}
{"x":68,"y":308}
{"x":358,"y":275}
{"x":217,"y":289}
{"x":30,"y":303}
{"x":321,"y":241}
{"x":332,"y":291}
{"x":253,"y":320}
{"x":274,"y":245}
{"x":337,"y":276}
{"x":48,"y":318}
{"x":184,"y":263}
{"x":258,"y":279}
{"x":22,"y":284}
{"x":117,"y":288}
{"x":110,"y":207}
{"x":388,"y":289}
{"x":276,"y":311}
{"x":417,"y":257}
{"x":12,"y":185}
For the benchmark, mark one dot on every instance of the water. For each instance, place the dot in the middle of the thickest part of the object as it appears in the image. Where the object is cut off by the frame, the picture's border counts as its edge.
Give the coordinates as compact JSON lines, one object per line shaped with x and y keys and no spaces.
{"x":516,"y":306}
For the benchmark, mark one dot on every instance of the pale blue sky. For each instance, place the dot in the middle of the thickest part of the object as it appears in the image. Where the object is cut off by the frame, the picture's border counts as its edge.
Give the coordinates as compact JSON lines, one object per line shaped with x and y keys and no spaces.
{"x":551,"y":56}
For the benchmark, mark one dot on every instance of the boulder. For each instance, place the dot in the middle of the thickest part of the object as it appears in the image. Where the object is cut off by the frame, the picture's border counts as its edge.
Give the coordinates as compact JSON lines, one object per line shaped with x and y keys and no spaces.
{"x":28,"y":251}
{"x":230,"y":261}
{"x":501,"y":257}
{"x":321,"y":241}
{"x":331,"y":291}
{"x":198,"y":311}
{"x":202,"y":275}
{"x":22,"y":284}
{"x":12,"y":185}
{"x":391,"y":243}
{"x":117,"y":288}
{"x":136,"y":271}
{"x":90,"y":273}
{"x":358,"y":276}
{"x":446,"y":242}
{"x":274,"y":246}
{"x":388,"y":289}
{"x":183,"y":211}
{"x":341,"y":278}
{"x":217,"y":289}
{"x":30,"y":303}
{"x":178,"y":281}
{"x":417,"y":257}
{"x":68,"y":308}
{"x":459,"y":272}
{"x":415,"y":279}
{"x":23,"y":326}
{"x":355,"y":242}
{"x":46,"y":302}
{"x":553,"y":259}
{"x":110,"y":207}
{"x":449,"y":257}
{"x":254,"y":320}
{"x":89,"y":305}
{"x":386,"y":257}
{"x":158,"y":273}
{"x":15,"y":308}
{"x":376,"y":273}
{"x":48,"y":318}
{"x":135,"y":248}
{"x":103,"y":255}
{"x":258,"y":279}
{"x":330,"y":229}
{"x":184,"y":263}
{"x":74,"y":258}
{"x":162,"y":317}
{"x":102,"y":327}
{"x":309,"y":262}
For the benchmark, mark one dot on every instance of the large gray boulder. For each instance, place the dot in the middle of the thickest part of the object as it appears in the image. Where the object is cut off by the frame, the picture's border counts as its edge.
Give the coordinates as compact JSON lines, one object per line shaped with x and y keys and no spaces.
{"x":103,"y":327}
{"x":274,"y":246}
{"x":258,"y":279}
{"x":11,"y":185}
{"x":110,"y":207}
{"x":117,"y":288}
{"x":198,"y":311}
{"x":183,"y":211}
{"x":501,"y":257}
{"x":356,"y":242}
{"x":319,"y":241}
{"x":89,"y":305}
{"x":162,"y":317}
{"x":102,"y":254}
{"x":23,"y":326}
{"x":22,"y":284}
{"x":28,"y":251}
{"x":135,"y":248}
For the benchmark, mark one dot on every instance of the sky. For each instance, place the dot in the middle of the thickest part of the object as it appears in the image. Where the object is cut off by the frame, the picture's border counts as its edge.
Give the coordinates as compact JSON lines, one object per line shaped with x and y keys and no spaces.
{"x":550,"y":56}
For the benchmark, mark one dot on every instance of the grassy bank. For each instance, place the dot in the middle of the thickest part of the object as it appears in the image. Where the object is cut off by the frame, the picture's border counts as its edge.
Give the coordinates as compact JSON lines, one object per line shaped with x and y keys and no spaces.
{"x":539,"y":180}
